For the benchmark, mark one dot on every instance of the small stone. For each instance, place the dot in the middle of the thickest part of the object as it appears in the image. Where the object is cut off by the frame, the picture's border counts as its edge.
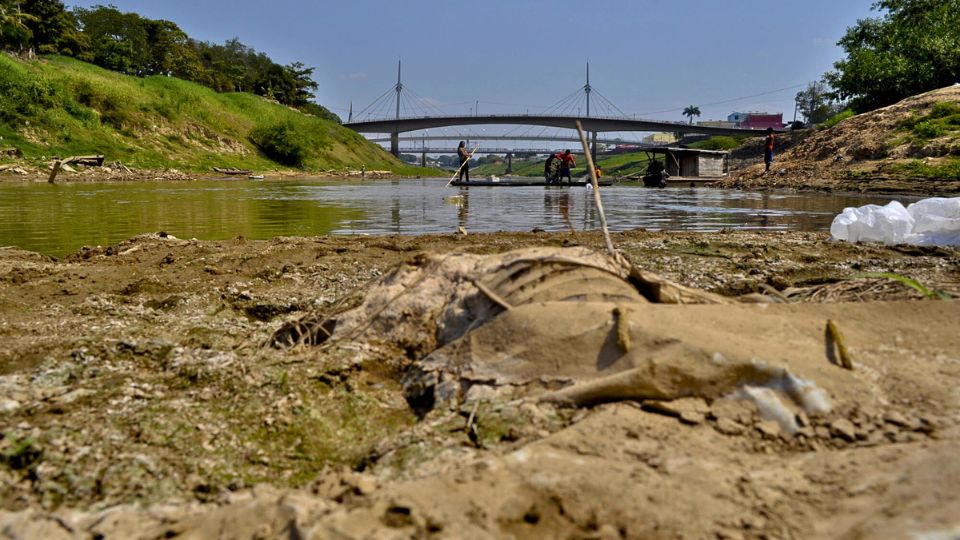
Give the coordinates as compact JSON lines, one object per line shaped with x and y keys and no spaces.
{"x":729,"y":427}
{"x":769,"y":429}
{"x":802,"y":419}
{"x":821,"y":432}
{"x":875,"y":438}
{"x":608,"y":532}
{"x":895,"y":418}
{"x":843,"y":429}
{"x":365,"y":484}
{"x":8,"y":405}
{"x":73,"y":396}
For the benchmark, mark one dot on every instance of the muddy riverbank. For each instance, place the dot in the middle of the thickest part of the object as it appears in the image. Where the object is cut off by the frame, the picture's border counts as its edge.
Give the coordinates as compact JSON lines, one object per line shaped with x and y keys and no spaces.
{"x":139,"y":374}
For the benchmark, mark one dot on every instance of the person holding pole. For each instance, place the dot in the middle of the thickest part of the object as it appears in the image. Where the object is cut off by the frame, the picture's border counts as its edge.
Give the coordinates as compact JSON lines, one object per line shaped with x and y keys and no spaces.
{"x":464,"y":162}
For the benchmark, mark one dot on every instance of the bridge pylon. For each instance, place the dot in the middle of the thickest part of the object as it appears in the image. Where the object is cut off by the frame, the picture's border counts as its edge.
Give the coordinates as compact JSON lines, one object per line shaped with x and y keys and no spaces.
{"x":395,"y":136}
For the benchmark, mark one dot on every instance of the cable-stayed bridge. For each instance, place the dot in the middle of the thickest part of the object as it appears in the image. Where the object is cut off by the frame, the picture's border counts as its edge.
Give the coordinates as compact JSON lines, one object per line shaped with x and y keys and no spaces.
{"x":384,"y":116}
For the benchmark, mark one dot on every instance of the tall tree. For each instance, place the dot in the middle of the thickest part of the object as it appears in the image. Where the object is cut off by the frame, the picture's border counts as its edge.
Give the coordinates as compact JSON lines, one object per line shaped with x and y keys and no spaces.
{"x":691,"y":111}
{"x":913,"y":47}
{"x":119,"y":41}
{"x":815,"y":103}
{"x":54,"y":29}
{"x":14,"y":30}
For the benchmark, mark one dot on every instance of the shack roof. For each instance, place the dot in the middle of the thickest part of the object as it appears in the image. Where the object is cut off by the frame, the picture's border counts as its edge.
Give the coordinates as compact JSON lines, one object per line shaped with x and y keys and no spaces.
{"x":679,"y":150}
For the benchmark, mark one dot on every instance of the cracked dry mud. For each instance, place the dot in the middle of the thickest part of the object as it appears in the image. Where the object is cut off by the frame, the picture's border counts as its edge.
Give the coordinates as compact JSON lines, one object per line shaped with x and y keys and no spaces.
{"x":139,"y":397}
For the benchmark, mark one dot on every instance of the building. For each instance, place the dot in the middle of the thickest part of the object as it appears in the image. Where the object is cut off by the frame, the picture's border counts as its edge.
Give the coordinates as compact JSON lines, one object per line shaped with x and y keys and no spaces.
{"x":717,"y":123}
{"x":757,"y":120}
{"x":688,"y":166}
{"x":660,"y":138}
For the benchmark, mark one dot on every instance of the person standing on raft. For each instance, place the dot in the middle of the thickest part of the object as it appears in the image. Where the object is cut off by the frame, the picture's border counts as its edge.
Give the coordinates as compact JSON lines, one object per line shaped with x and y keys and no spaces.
{"x":464,"y":162}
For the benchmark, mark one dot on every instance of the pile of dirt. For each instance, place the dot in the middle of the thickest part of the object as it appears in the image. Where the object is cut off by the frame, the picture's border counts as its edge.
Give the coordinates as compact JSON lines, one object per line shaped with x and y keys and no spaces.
{"x":858,"y":154}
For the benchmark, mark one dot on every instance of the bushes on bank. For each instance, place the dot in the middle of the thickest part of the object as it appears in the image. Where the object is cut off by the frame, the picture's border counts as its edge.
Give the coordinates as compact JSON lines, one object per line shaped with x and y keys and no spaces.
{"x":282,"y":142}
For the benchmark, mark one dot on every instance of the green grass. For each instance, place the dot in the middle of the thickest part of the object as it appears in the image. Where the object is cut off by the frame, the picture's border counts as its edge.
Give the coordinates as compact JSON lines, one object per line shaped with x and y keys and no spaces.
{"x":837,"y":118}
{"x":719,"y":142}
{"x":942,"y":120}
{"x":59,"y":106}
{"x":944,"y":170}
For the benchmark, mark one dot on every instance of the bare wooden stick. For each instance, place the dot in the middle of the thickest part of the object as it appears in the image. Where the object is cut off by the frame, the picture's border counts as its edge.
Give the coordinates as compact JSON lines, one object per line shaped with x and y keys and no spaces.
{"x":461,"y":166}
{"x":53,"y":172}
{"x":623,"y":327}
{"x":596,"y":190}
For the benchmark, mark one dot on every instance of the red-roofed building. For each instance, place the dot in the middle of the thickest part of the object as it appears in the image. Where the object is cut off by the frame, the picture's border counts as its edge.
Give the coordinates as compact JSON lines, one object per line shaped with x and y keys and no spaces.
{"x":757,"y":120}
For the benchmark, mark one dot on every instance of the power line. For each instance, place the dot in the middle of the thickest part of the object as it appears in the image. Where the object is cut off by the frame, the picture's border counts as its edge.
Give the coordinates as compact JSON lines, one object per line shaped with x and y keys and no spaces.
{"x":731,"y":100}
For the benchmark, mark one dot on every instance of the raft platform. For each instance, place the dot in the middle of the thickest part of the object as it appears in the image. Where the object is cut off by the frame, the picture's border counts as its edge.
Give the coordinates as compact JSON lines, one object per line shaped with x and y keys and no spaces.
{"x":524,"y":183}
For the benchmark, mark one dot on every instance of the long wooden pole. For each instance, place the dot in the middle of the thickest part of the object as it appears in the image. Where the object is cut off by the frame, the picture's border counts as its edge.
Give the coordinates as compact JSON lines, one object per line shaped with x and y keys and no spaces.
{"x":596,"y":190}
{"x":462,"y":165}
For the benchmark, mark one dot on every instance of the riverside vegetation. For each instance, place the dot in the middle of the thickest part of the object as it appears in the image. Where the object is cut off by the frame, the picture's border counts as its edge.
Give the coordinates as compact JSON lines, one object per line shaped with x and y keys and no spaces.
{"x":59,"y":106}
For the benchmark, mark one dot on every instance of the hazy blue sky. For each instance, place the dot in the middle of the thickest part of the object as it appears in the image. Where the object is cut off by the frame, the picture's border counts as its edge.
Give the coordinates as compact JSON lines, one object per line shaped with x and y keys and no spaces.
{"x":649,"y":57}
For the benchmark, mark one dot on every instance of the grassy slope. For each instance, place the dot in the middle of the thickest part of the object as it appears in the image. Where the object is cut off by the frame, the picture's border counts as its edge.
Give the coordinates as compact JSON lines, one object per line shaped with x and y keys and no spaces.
{"x":59,"y":106}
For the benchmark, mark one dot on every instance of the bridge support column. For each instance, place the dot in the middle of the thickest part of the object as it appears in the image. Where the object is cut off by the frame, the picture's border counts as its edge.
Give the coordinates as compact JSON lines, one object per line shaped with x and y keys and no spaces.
{"x":395,"y":144}
{"x":423,"y":159}
{"x":509,"y":164}
{"x":593,"y":146}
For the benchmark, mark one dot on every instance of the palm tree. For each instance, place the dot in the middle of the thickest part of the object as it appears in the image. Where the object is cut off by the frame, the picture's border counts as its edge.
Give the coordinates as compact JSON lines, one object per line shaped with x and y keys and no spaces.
{"x":691,"y":111}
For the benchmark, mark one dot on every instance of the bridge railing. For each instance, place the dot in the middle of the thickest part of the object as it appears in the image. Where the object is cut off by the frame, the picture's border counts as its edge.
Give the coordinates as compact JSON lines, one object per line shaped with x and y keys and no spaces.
{"x":523,"y":115}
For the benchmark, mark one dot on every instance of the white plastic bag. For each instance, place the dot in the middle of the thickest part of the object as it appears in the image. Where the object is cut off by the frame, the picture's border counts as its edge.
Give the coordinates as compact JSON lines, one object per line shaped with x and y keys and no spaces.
{"x":937,"y":221}
{"x":890,"y":224}
{"x":930,"y":222}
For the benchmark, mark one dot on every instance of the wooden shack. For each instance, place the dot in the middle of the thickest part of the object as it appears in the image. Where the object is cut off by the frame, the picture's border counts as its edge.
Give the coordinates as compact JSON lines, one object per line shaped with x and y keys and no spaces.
{"x":689,"y":166}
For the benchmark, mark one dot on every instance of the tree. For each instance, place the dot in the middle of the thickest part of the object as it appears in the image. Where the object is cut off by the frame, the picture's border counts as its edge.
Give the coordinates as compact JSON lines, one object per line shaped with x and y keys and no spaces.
{"x":691,"y":111}
{"x":912,"y":48}
{"x":119,"y":41}
{"x":815,"y":103}
{"x":14,"y":31}
{"x":54,"y":29}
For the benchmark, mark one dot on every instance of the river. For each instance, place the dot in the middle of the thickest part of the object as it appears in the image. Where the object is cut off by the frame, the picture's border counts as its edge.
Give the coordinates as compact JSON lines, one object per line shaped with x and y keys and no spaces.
{"x":58,"y":219}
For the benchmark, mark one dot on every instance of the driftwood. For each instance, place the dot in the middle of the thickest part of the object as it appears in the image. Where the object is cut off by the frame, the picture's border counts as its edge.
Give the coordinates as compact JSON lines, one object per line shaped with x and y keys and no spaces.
{"x":231,"y":170}
{"x":87,"y":161}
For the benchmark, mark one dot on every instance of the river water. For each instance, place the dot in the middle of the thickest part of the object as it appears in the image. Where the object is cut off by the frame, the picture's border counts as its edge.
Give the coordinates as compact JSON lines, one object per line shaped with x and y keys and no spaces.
{"x":59,"y":219}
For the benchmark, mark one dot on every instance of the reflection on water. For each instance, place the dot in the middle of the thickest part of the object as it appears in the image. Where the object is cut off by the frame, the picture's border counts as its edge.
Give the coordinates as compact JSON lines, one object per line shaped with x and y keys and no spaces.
{"x":58,"y":219}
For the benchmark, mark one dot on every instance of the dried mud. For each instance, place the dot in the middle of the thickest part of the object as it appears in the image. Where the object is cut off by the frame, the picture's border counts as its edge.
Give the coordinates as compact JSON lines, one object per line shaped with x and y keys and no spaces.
{"x":139,"y":398}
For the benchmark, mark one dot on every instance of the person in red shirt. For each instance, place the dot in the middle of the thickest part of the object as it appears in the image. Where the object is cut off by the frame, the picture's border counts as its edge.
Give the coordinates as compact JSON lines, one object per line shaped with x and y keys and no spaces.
{"x":768,"y":143}
{"x":566,"y":163}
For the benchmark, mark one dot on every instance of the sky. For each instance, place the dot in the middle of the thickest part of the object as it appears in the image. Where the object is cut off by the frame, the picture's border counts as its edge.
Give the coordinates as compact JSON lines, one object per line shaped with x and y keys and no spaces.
{"x":650,"y":58}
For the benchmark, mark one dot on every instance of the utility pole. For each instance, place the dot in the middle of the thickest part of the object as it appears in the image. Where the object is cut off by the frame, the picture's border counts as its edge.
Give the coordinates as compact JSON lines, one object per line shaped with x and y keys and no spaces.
{"x":476,"y":109}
